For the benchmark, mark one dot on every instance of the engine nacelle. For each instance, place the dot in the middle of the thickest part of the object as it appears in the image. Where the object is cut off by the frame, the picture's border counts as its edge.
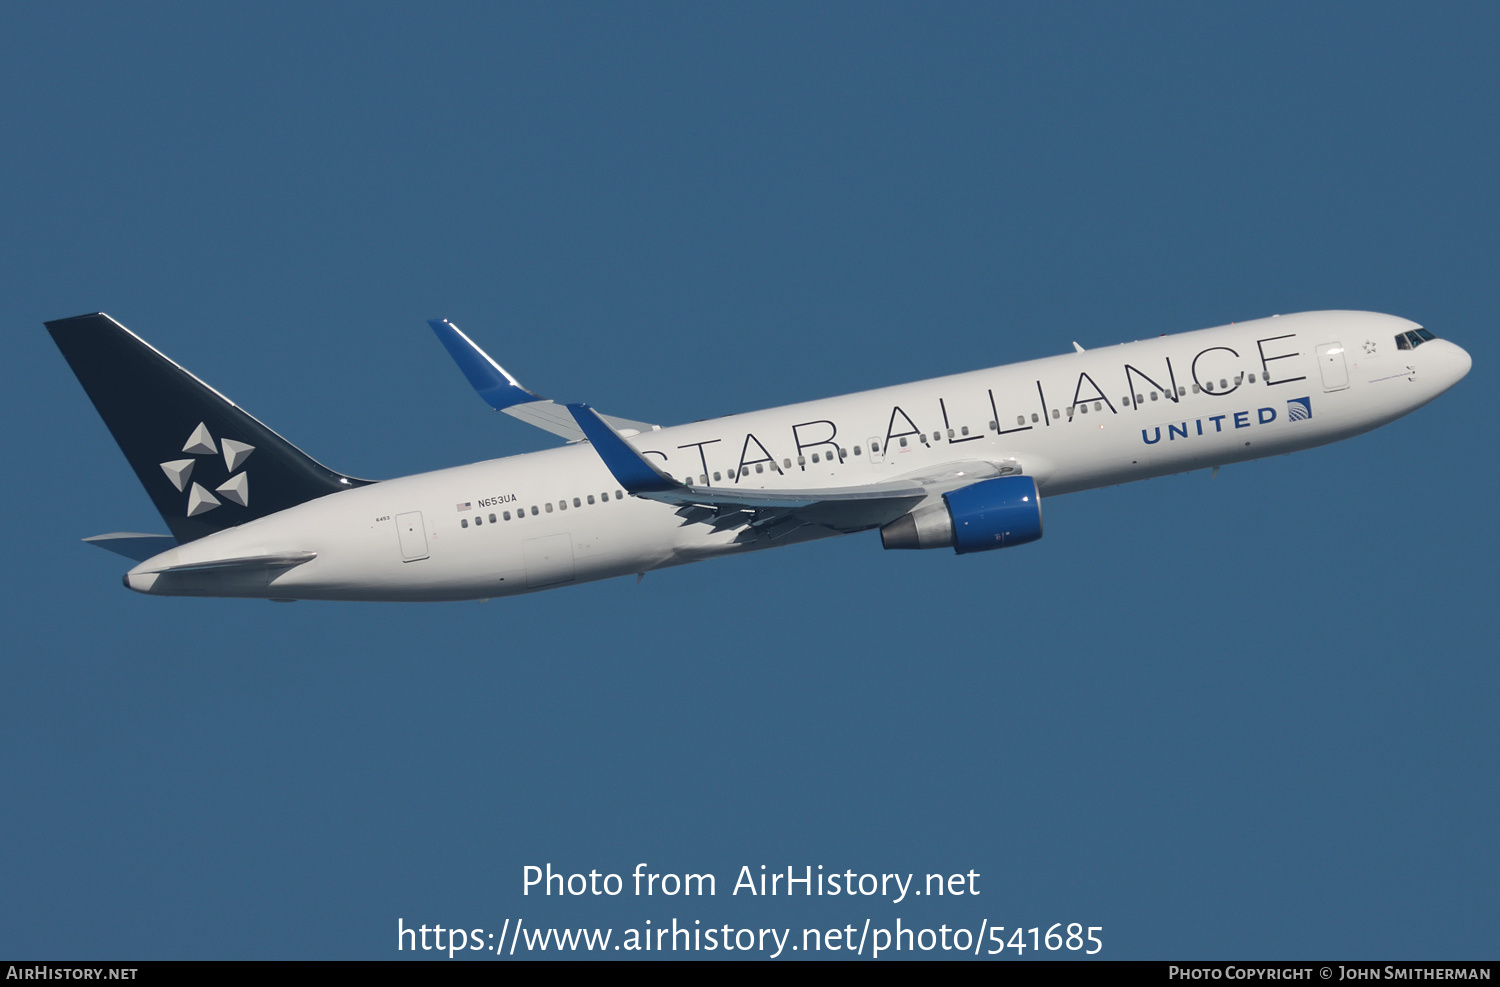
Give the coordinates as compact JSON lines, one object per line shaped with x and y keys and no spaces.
{"x":989,"y":514}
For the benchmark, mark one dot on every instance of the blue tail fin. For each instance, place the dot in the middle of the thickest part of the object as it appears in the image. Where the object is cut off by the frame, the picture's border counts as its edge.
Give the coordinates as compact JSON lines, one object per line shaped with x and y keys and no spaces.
{"x":206,"y":464}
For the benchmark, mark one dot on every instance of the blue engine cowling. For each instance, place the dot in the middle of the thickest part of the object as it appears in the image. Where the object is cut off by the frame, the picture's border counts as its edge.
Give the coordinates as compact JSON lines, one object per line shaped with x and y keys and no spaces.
{"x":990,"y":514}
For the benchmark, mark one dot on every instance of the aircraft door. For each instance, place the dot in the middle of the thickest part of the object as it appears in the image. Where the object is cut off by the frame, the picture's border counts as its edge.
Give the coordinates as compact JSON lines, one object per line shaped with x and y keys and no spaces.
{"x":877,"y":454}
{"x":1331,"y":363}
{"x":549,"y":560}
{"x":413,"y":536}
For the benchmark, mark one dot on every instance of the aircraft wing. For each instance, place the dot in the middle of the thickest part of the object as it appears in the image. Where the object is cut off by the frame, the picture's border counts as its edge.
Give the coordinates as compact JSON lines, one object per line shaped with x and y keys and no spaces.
{"x":776,"y":513}
{"x":504,"y":393}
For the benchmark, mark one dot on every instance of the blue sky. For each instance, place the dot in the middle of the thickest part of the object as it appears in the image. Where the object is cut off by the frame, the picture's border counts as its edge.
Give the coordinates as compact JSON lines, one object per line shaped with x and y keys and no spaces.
{"x":1248,"y":716}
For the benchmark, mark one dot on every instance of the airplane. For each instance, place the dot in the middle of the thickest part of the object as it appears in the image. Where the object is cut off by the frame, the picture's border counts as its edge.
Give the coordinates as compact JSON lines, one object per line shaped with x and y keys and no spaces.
{"x":959,"y":462}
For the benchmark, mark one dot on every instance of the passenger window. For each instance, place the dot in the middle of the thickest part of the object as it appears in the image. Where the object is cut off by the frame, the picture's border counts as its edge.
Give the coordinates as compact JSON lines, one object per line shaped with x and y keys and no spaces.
{"x":815,"y":457}
{"x":1125,"y":401}
{"x":533,"y":510}
{"x":1153,"y":395}
{"x":1223,"y":385}
{"x":994,"y":426}
{"x":962,"y":431}
{"x":1083,"y":409}
{"x":492,"y":519}
{"x":549,"y":507}
{"x":936,"y":436}
{"x":619,"y":495}
{"x":1195,"y":388}
{"x":506,"y":515}
{"x":1020,"y":419}
{"x":577,"y":502}
{"x":874,"y":446}
{"x":478,"y":520}
{"x":1252,"y":378}
{"x":759,"y":468}
{"x":950,"y":434}
{"x":787,"y":463}
{"x":1139,"y":399}
{"x":903,"y":442}
{"x":801,"y":460}
{"x":856,"y":448}
{"x":716,"y":475}
{"x":1033,"y":418}
{"x":1182,"y":392}
{"x":463,"y":522}
{"x":843,"y":454}
{"x":591,"y":498}
{"x":1056,"y":414}
{"x":562,"y":505}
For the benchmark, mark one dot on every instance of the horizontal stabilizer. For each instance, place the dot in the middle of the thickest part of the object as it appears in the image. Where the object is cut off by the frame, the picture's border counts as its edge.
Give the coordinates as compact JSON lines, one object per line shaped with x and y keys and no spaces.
{"x":250,"y":563}
{"x":133,"y":545}
{"x":504,"y":393}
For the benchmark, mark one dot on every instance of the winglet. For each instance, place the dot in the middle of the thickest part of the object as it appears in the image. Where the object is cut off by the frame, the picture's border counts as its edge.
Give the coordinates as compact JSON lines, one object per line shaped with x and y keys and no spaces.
{"x":504,"y":393}
{"x":490,"y":379}
{"x":629,"y":467}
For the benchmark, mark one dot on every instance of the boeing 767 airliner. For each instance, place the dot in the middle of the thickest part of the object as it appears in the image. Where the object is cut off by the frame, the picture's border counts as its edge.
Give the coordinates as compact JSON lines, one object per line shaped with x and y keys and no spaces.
{"x":958,"y":462}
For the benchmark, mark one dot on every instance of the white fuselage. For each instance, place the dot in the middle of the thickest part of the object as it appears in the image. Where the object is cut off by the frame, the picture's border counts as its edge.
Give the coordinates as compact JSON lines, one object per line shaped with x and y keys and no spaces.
{"x":1073,"y":422}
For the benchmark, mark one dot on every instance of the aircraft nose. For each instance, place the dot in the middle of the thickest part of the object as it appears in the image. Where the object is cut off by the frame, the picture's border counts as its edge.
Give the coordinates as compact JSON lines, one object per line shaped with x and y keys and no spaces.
{"x":1465,"y":361}
{"x":1451,"y":361}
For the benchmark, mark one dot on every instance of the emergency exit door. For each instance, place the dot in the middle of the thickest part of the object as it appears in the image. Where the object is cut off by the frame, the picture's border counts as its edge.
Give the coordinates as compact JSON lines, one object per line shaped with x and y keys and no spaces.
{"x":413,"y":536}
{"x":1331,"y":363}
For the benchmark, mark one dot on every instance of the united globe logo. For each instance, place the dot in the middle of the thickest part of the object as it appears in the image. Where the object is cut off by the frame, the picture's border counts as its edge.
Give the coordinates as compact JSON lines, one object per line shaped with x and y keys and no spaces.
{"x":1299,"y":409}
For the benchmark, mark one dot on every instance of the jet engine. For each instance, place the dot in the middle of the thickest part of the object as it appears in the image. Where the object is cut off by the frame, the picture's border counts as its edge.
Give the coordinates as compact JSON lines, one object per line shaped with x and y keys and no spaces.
{"x":990,"y":514}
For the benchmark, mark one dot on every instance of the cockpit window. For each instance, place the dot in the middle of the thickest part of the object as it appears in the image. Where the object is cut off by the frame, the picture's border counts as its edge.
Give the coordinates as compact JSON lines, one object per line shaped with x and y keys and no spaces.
{"x":1411,"y":340}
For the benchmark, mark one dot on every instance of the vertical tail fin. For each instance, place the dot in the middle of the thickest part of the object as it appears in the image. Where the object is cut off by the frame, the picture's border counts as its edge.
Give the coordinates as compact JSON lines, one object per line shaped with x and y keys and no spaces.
{"x":206,"y":464}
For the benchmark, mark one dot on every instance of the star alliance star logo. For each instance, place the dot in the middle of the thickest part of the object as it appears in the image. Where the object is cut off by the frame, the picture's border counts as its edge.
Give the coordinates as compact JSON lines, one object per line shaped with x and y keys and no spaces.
{"x":236,"y":489}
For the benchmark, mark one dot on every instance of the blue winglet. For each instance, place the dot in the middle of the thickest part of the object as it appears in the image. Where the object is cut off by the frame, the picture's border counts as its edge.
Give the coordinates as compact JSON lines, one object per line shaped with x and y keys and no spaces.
{"x":496,"y":386}
{"x":629,"y":467}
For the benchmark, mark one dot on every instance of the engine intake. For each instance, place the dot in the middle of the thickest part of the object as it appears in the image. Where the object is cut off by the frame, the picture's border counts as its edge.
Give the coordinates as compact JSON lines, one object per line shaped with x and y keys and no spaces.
{"x":986,"y":515}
